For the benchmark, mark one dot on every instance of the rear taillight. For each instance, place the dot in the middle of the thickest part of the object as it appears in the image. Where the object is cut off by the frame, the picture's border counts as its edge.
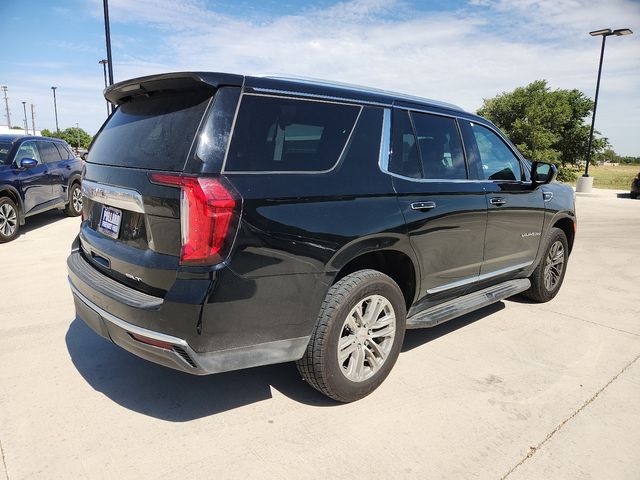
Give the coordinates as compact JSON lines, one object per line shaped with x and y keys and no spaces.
{"x":207,"y":209}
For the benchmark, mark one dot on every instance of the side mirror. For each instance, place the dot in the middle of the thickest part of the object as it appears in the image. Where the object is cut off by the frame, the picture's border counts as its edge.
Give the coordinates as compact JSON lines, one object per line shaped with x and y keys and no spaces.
{"x":542,"y":173}
{"x":27,"y":162}
{"x":84,"y":156}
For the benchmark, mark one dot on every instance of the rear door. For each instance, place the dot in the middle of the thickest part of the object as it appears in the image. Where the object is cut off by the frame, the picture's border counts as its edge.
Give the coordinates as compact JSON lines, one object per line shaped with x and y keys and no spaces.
{"x":55,"y":176}
{"x":444,"y":209}
{"x":515,"y":208}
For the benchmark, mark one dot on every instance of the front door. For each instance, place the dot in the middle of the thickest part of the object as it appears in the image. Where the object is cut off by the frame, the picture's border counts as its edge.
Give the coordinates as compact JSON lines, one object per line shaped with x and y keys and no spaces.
{"x":515,"y":208}
{"x":35,"y":184}
{"x":445,"y":212}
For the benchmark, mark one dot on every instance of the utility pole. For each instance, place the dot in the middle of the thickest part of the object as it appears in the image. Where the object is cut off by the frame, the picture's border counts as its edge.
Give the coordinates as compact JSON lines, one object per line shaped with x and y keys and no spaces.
{"x":26,"y":126}
{"x":104,"y":62}
{"x":6,"y":105}
{"x":33,"y":118}
{"x":55,"y":107}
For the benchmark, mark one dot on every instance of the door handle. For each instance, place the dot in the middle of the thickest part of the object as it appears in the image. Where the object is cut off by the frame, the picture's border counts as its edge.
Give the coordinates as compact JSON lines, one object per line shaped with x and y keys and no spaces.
{"x":497,"y":201}
{"x":423,"y":206}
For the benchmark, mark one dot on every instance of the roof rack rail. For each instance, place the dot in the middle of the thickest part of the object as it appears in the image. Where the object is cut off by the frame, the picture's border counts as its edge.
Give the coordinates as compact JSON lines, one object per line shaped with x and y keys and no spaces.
{"x":360,"y":88}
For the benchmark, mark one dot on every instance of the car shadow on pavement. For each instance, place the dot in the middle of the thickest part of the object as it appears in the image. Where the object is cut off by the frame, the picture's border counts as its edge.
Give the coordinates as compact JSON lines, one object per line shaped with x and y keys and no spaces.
{"x":41,"y":220}
{"x":418,"y":337}
{"x":175,"y":396}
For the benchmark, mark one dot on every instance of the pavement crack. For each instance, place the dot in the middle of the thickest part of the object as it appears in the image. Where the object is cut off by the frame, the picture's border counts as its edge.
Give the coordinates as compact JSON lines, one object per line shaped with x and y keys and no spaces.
{"x":590,"y":321}
{"x":4,"y":462}
{"x":536,"y":448}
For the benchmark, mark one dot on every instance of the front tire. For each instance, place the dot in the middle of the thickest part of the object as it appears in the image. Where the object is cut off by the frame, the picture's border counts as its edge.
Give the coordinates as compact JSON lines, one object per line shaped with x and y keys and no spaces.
{"x":9,"y":220}
{"x":74,"y":207}
{"x":357,"y":338}
{"x":547,"y":278}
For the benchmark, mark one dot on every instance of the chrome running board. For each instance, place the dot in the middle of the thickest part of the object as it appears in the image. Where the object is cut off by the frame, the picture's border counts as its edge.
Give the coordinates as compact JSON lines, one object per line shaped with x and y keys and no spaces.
{"x":468,"y":303}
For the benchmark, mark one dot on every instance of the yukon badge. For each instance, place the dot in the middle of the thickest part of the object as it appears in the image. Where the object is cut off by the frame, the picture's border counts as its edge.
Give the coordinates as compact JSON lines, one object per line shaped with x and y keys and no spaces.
{"x":530,"y":234}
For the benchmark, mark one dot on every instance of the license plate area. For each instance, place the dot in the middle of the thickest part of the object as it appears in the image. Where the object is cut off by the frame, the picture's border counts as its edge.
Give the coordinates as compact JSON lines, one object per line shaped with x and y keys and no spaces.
{"x":110,"y":220}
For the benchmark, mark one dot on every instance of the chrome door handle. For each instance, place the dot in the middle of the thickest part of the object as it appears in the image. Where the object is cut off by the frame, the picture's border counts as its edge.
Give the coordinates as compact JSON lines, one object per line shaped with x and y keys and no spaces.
{"x":423,"y":206}
{"x":497,"y":201}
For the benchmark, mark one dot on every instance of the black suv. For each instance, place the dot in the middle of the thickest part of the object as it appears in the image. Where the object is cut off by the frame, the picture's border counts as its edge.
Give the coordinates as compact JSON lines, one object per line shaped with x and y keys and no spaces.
{"x":232,"y":221}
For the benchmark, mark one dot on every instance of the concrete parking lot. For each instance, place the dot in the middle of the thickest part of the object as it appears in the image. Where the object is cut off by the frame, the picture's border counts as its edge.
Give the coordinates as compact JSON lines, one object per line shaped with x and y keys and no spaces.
{"x":517,"y":390}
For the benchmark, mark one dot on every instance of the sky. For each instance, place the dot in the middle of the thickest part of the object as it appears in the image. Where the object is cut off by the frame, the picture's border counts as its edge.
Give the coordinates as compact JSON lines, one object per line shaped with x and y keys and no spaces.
{"x":456,"y":51}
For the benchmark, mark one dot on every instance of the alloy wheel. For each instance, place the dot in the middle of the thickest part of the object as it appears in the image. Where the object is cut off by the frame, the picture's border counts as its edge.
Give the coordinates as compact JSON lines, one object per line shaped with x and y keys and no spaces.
{"x":76,"y":199}
{"x":8,"y":220}
{"x":366,"y":338}
{"x":554,"y":264}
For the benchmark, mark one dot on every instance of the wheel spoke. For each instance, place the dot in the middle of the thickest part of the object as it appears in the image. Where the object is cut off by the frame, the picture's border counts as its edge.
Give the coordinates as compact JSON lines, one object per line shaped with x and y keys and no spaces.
{"x":346,"y":346}
{"x":373,"y":311}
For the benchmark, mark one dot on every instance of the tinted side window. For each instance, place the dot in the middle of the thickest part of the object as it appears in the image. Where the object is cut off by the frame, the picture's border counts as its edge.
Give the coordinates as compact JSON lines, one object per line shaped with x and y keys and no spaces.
{"x":440,"y":147}
{"x":282,"y":134}
{"x":28,"y":150}
{"x":48,"y":152}
{"x":404,"y":160}
{"x":64,"y":153}
{"x":497,"y":160}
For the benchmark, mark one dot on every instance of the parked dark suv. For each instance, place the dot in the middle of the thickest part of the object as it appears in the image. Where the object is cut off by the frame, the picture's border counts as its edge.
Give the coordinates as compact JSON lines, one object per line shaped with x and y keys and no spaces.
{"x":233,"y":221}
{"x":36,"y":174}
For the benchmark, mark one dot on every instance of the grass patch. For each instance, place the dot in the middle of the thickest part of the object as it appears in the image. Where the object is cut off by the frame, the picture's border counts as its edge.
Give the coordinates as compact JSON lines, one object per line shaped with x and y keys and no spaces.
{"x":616,"y":178}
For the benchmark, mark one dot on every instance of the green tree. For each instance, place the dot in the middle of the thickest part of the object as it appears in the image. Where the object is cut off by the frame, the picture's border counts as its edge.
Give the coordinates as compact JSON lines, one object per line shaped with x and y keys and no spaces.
{"x":546,"y":125}
{"x":71,"y":135}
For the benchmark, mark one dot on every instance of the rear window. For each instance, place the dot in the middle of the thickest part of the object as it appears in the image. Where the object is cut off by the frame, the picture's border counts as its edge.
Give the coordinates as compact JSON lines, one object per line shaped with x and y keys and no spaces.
{"x":152,"y":133}
{"x":288,"y":135}
{"x":5,"y":148}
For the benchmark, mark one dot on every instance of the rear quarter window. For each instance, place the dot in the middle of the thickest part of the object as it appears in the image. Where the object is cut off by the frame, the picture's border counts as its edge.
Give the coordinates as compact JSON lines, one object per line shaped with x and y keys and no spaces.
{"x":274,"y":134}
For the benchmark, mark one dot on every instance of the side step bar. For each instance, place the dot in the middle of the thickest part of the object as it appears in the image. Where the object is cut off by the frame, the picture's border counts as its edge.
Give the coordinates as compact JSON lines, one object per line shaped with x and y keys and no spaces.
{"x":468,"y":303}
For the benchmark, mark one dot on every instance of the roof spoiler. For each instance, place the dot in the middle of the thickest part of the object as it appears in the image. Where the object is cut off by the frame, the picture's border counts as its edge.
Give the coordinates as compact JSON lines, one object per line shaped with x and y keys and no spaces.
{"x":121,"y":92}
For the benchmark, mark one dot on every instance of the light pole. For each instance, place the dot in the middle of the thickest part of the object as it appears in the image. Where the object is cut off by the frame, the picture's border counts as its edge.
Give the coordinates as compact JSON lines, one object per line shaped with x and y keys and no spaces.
{"x":6,"y":105}
{"x":26,"y":126}
{"x":104,"y":62}
{"x":55,"y":108}
{"x":107,"y":34}
{"x":78,"y":135}
{"x":585,"y":183}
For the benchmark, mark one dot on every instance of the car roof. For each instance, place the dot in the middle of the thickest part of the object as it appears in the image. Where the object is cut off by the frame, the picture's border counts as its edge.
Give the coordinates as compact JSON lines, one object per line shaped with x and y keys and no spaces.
{"x":13,"y":137}
{"x":324,"y":89}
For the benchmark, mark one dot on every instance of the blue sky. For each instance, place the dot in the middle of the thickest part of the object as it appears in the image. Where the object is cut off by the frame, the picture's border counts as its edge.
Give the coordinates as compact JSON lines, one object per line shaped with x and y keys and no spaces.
{"x":457,"y":51}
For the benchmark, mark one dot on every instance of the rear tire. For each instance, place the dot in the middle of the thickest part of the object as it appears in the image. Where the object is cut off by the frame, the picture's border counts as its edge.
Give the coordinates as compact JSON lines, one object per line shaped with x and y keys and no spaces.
{"x":357,"y":338}
{"x":74,"y":207}
{"x":9,"y":220}
{"x":547,"y":278}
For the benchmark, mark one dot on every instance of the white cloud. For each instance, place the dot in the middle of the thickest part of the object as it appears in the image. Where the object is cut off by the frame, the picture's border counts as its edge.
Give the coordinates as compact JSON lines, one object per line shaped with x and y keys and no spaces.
{"x":461,"y":56}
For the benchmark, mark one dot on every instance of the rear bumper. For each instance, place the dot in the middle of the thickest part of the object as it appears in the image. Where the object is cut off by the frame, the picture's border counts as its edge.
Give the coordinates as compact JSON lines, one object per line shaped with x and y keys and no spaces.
{"x":181,"y":356}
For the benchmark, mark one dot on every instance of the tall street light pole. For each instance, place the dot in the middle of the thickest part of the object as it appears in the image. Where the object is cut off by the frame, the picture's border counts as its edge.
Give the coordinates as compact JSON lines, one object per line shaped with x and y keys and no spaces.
{"x":585,"y":183}
{"x":107,"y":34}
{"x":55,"y":108}
{"x":104,"y":62}
{"x":26,"y":125}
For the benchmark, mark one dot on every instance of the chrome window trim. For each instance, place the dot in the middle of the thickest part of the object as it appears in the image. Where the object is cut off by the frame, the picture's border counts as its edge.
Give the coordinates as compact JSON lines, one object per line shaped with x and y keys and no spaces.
{"x":385,"y":140}
{"x":118,"y":197}
{"x":289,"y":172}
{"x":478,"y":278}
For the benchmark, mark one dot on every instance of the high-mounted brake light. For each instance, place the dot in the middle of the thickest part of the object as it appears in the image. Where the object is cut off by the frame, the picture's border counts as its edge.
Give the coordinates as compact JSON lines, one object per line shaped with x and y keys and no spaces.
{"x":206,"y":212}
